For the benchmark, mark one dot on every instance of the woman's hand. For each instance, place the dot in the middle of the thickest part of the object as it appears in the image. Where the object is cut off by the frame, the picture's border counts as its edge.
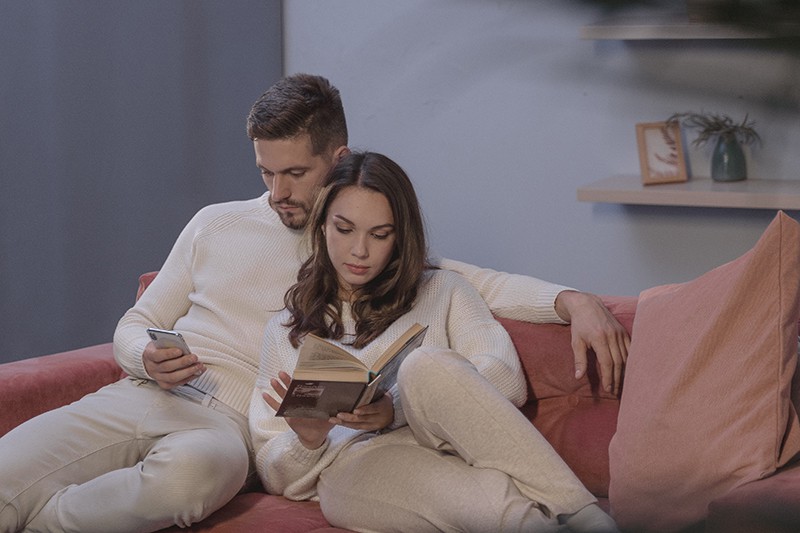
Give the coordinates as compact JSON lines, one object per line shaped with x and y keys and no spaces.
{"x":371,"y":417}
{"x":312,"y":432}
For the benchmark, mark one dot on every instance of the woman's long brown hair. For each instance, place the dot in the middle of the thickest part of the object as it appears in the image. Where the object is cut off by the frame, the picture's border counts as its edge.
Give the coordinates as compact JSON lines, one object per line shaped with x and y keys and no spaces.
{"x":314,"y":300}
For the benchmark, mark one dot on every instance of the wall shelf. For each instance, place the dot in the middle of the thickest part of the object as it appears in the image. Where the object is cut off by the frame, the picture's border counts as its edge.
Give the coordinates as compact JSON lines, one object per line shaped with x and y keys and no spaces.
{"x":697,"y":192}
{"x":678,"y":26}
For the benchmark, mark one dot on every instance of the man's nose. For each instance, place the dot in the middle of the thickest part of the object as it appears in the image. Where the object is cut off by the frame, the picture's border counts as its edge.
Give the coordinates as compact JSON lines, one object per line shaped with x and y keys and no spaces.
{"x":280,"y":189}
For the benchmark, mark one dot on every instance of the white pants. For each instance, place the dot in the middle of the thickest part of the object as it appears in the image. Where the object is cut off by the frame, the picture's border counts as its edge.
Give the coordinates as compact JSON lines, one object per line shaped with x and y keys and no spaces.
{"x":467,"y":461}
{"x":130,"y":457}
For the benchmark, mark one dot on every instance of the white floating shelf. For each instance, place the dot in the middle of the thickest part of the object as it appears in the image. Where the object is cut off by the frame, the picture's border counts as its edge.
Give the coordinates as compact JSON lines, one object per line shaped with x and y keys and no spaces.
{"x":697,"y":192}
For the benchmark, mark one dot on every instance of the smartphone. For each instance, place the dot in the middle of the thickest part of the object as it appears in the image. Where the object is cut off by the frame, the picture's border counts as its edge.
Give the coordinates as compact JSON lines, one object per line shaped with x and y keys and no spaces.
{"x":165,"y":338}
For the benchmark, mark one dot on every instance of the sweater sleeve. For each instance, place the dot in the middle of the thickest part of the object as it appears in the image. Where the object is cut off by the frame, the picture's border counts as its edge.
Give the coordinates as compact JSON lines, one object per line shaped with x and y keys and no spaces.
{"x":477,"y":336}
{"x":160,"y":306}
{"x":283,"y":464}
{"x":510,"y":295}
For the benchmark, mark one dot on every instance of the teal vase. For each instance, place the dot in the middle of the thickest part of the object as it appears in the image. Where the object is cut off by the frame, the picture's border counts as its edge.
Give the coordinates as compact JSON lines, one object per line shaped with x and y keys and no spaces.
{"x":727,"y":161}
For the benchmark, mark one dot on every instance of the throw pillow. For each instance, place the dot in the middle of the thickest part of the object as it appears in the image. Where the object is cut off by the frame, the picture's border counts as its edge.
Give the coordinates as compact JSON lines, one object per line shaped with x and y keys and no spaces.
{"x":707,"y":399}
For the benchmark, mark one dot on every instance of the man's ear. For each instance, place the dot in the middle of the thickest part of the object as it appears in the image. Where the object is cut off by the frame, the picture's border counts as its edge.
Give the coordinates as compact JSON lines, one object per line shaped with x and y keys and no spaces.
{"x":339,"y":153}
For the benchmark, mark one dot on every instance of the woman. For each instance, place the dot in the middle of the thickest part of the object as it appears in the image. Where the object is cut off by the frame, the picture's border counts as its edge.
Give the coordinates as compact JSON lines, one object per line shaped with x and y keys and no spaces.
{"x":447,"y":448}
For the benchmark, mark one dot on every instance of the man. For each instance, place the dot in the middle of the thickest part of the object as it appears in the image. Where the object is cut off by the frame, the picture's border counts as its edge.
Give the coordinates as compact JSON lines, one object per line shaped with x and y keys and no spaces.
{"x":169,"y":444}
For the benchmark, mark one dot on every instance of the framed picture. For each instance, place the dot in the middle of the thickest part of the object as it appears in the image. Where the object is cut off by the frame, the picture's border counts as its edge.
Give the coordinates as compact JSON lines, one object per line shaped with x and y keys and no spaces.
{"x":661,"y":152}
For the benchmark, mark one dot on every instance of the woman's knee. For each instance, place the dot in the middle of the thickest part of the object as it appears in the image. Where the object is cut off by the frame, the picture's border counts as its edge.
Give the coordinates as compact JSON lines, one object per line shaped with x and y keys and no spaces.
{"x":427,"y":367}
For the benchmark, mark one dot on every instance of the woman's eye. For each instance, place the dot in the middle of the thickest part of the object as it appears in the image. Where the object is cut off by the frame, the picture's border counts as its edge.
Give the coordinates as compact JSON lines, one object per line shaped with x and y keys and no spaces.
{"x":343,"y":230}
{"x":381,"y":236}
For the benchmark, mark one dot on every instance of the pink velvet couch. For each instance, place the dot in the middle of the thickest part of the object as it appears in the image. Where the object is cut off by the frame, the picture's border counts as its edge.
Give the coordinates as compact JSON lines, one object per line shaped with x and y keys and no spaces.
{"x":576,"y":417}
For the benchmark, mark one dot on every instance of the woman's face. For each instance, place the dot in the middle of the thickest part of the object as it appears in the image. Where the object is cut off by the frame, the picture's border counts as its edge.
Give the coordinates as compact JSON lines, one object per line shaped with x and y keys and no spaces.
{"x":360,"y":235}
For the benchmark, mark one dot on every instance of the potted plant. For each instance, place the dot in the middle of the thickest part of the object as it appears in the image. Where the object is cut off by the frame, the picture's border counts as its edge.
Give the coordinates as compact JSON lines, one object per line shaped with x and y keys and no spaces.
{"x":727,"y":160}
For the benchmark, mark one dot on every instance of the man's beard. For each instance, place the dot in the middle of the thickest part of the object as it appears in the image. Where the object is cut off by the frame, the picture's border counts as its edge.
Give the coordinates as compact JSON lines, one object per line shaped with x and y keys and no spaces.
{"x":295,"y":220}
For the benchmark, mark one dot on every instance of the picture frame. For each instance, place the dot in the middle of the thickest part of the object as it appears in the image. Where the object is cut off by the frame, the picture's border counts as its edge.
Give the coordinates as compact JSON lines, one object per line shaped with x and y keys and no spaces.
{"x":661,"y":155}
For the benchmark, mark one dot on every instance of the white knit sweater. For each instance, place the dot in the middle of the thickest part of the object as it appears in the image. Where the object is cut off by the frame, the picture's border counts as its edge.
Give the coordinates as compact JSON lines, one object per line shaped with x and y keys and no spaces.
{"x":226,"y":277}
{"x":457,"y":318}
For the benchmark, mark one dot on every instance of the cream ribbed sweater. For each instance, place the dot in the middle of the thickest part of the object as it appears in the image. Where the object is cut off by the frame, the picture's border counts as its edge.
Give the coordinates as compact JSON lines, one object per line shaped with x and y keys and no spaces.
{"x":225,"y":278}
{"x":457,"y":319}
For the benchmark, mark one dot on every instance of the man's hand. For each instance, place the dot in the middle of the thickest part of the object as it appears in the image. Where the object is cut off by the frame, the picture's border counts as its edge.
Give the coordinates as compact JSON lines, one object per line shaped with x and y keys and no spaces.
{"x":169,"y":368}
{"x":594,"y":327}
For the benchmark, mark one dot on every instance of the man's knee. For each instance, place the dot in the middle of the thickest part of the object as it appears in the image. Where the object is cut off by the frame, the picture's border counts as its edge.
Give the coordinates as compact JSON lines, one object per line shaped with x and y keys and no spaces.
{"x":201,"y":477}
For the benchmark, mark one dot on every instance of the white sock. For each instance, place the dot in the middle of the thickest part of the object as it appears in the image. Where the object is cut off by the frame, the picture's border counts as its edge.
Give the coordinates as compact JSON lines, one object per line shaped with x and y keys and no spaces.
{"x":590,"y":519}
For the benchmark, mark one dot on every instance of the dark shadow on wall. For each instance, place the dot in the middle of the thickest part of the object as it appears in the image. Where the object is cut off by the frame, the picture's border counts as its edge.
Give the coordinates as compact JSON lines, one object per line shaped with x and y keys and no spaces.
{"x":118,"y":121}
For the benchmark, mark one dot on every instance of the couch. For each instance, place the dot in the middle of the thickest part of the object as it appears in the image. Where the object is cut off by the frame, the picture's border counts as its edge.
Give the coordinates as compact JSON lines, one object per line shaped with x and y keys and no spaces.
{"x":576,"y":416}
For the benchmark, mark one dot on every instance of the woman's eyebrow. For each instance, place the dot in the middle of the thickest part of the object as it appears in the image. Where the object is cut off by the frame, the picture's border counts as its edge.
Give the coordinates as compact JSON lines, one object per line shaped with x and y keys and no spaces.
{"x":380,"y":226}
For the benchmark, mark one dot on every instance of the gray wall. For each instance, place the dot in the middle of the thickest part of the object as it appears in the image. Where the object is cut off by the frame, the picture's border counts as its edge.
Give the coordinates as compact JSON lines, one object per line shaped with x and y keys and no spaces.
{"x":499,"y":112}
{"x":118,"y":120}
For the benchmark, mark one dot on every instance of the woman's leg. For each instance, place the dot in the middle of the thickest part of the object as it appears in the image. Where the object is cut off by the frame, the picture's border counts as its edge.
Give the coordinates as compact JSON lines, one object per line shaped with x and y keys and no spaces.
{"x":450,"y":406}
{"x":392,"y":484}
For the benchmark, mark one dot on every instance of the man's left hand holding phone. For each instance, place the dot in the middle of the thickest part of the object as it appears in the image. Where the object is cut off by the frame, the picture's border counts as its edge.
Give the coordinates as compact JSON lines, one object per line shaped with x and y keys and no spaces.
{"x":168,"y":360}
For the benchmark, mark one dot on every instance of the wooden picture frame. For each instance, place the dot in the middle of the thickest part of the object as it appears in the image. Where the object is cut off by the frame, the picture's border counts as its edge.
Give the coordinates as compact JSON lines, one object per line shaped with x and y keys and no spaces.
{"x":661,"y":152}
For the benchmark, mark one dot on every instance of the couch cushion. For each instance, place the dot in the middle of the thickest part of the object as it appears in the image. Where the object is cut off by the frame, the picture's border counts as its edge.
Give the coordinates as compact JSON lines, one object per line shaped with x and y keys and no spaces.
{"x":577,"y":417}
{"x":254,"y":511}
{"x":706,"y":405}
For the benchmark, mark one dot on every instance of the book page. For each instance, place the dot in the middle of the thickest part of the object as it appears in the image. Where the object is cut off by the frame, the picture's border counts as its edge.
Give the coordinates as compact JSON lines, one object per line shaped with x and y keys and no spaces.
{"x":319,"y":353}
{"x":404,"y":344}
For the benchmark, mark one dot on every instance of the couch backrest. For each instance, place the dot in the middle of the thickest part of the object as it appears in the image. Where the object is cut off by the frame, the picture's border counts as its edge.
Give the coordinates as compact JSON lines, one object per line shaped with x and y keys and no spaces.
{"x":145,"y":280}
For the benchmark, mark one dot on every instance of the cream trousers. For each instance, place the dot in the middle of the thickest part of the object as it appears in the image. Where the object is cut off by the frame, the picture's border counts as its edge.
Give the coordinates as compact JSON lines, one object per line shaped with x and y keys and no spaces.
{"x":467,"y":461}
{"x":130,"y":457}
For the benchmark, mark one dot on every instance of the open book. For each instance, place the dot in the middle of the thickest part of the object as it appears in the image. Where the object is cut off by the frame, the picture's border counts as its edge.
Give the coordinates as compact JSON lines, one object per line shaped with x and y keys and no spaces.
{"x":328,"y":380}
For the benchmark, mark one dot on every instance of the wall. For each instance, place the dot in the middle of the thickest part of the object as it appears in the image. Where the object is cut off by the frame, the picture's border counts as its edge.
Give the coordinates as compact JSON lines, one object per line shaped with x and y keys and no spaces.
{"x":499,"y":112}
{"x":118,"y":121}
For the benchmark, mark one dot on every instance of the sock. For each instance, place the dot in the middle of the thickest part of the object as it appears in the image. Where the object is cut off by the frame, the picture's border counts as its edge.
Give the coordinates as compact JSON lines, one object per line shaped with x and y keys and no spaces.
{"x":590,"y":519}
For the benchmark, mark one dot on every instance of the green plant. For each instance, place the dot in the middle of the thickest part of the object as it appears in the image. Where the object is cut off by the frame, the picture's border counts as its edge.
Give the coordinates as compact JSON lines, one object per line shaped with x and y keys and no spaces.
{"x":712,"y":126}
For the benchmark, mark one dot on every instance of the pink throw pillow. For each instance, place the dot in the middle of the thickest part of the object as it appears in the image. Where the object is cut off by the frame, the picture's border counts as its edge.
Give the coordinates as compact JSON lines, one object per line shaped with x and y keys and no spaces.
{"x":707,"y":405}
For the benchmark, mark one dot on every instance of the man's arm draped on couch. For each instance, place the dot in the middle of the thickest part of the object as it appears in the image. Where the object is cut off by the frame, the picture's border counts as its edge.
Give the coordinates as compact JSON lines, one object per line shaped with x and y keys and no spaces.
{"x":530,"y":299}
{"x":512,"y":296}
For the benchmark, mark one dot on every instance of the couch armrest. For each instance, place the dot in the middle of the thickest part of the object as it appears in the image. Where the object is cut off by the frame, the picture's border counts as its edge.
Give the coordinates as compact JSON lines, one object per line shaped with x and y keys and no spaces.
{"x":32,"y":386}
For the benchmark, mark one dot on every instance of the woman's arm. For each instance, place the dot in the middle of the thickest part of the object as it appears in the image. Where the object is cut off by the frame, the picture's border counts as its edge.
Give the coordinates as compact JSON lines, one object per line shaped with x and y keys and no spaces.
{"x":284,"y":464}
{"x":477,"y":336}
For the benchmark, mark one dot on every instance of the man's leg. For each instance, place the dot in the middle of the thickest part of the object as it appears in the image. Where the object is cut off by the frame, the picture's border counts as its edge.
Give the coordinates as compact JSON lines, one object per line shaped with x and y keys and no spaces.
{"x":188,"y":460}
{"x":68,"y":445}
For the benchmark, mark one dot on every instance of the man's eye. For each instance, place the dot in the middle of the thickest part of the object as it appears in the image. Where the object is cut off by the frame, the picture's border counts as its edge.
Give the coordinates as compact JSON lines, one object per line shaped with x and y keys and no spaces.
{"x":298,"y":173}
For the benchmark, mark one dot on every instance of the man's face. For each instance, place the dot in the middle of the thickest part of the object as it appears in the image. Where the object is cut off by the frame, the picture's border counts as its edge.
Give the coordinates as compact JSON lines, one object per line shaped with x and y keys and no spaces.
{"x":293,"y":175}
